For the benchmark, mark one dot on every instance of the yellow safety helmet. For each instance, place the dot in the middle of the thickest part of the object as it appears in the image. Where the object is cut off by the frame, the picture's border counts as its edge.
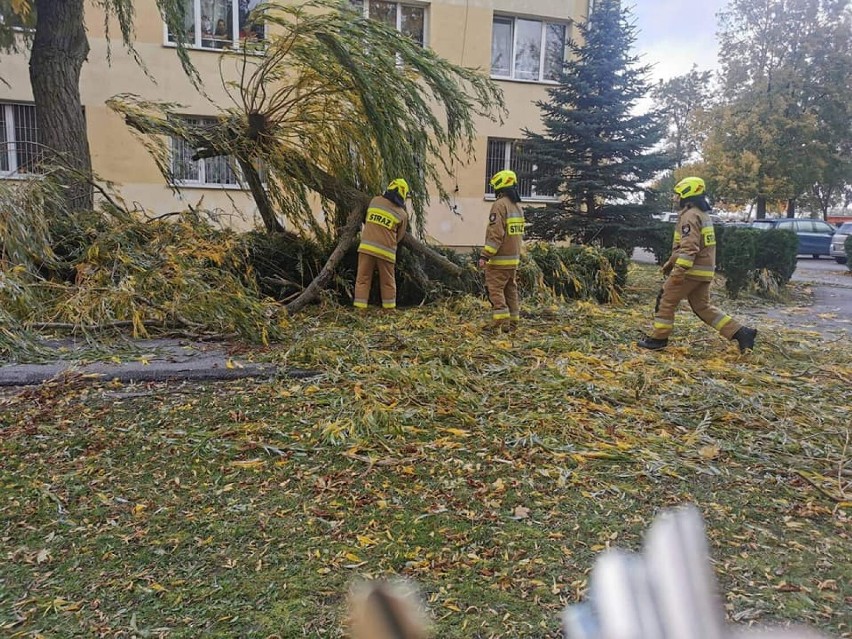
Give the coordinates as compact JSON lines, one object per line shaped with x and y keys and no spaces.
{"x":689,"y":186}
{"x":400,"y":186}
{"x":503,"y":179}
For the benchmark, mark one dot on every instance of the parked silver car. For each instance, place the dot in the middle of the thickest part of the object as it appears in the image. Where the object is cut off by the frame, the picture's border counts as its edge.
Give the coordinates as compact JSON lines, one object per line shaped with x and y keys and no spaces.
{"x":838,"y":252}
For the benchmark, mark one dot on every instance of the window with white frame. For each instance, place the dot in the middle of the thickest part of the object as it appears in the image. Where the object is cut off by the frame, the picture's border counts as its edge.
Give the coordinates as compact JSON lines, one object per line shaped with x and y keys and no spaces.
{"x":219,"y":24}
{"x":216,"y":171}
{"x":526,"y":49}
{"x":19,"y":148}
{"x":408,"y":19}
{"x":506,"y":154}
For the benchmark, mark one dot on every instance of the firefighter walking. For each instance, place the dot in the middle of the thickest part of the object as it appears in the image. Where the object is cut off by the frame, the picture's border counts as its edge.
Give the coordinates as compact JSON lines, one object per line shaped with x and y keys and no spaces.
{"x":690,"y":271}
{"x":501,"y":254}
{"x":384,"y":227}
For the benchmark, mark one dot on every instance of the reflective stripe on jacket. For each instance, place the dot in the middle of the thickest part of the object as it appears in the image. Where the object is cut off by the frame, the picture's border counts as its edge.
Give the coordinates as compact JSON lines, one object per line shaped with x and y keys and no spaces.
{"x":505,"y":234}
{"x":384,"y":226}
{"x":694,"y":245}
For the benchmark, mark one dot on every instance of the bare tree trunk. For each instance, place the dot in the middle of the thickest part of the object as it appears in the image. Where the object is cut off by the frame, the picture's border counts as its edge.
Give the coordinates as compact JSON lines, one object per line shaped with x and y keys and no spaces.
{"x":791,"y":207}
{"x":264,"y":206}
{"x":823,"y":196}
{"x":59,"y":49}
{"x":760,"y":214}
{"x":423,"y":250}
{"x":345,"y":240}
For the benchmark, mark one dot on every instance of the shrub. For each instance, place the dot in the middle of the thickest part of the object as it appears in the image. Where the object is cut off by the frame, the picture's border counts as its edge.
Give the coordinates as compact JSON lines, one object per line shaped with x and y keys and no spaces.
{"x":281,"y":263}
{"x":775,"y":251}
{"x":657,"y":238}
{"x":847,"y":246}
{"x":620,"y":262}
{"x":737,"y":259}
{"x":579,"y":272}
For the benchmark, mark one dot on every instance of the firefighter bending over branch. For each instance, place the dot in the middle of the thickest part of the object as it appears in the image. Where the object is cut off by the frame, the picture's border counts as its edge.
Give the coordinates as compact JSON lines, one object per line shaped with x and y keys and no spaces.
{"x":384,"y":227}
{"x":690,"y":271}
{"x":502,"y":251}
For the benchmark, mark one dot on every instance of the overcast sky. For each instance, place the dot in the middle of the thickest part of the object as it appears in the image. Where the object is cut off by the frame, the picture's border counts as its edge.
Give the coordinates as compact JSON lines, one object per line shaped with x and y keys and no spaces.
{"x":675,"y":34}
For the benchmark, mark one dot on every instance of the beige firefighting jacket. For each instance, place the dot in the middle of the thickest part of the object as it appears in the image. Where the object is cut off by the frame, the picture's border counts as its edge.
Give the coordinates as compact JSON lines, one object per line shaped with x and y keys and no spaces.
{"x":694,"y":246}
{"x":384,"y":227}
{"x":505,"y":235}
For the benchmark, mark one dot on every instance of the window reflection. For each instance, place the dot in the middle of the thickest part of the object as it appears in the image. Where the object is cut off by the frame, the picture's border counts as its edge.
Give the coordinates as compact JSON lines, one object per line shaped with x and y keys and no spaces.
{"x":216,"y":24}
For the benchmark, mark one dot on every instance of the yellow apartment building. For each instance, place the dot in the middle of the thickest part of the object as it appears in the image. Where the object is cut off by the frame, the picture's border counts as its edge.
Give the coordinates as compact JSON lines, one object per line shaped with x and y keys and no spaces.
{"x":519,"y":43}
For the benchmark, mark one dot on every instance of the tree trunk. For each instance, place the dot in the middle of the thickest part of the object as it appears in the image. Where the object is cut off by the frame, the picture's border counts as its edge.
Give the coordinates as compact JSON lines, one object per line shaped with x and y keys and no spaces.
{"x":345,"y":240}
{"x":760,"y":214}
{"x":791,"y":207}
{"x":59,"y":49}
{"x":264,"y":206}
{"x":423,"y":250}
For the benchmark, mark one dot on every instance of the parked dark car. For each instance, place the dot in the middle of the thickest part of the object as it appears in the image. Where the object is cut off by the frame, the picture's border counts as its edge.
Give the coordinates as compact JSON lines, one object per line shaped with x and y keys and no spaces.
{"x":838,"y":251}
{"x":814,"y":235}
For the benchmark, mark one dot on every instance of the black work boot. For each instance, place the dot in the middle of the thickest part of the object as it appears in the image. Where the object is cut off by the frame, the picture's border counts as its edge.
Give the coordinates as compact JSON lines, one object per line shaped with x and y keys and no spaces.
{"x":745,"y":338}
{"x":652,"y":343}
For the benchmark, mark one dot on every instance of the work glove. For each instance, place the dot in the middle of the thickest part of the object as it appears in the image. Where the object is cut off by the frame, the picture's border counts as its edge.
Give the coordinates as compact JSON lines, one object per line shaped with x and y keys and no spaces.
{"x":668,"y":591}
{"x":667,"y":268}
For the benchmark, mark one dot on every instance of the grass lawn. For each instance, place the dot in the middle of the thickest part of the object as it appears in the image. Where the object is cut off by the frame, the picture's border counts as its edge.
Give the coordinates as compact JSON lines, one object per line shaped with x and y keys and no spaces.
{"x":490,"y":469}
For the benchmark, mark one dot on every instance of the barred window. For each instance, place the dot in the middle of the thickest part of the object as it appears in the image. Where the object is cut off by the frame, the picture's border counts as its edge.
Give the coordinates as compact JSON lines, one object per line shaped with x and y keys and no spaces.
{"x":506,"y":154}
{"x":19,"y":149}
{"x":205,"y":172}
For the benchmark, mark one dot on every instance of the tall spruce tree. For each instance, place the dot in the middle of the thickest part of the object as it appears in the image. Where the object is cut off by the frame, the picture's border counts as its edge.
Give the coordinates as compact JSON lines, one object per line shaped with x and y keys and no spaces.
{"x":596,"y":152}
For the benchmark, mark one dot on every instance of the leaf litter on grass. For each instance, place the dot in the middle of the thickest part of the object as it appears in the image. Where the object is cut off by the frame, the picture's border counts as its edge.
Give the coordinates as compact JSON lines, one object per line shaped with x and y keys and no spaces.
{"x":489,"y":468}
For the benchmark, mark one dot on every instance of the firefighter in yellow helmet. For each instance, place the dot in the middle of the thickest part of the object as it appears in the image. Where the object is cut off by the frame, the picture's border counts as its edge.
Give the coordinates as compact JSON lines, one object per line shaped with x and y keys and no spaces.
{"x":502,"y":251}
{"x":384,"y":227}
{"x":690,"y":271}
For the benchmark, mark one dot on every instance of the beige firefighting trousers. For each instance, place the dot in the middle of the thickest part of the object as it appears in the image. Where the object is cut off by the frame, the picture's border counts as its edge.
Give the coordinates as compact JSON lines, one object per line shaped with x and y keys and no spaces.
{"x":502,"y":285}
{"x":697,"y":293}
{"x":364,"y":279}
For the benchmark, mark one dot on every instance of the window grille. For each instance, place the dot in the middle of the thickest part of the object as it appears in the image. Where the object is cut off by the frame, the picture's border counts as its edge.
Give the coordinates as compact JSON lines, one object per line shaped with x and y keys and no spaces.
{"x":506,"y":154}
{"x":20,"y":152}
{"x":207,"y":171}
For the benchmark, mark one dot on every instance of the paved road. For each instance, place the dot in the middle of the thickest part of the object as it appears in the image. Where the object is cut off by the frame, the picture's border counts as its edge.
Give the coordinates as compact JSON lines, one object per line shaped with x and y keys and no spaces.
{"x":822,"y":271}
{"x":831,"y":312}
{"x":822,"y":264}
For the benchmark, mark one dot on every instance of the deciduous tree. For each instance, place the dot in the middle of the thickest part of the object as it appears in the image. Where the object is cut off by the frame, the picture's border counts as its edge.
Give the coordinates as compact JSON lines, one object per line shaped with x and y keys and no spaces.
{"x":336,"y":107}
{"x":681,"y":101}
{"x":783,"y":129}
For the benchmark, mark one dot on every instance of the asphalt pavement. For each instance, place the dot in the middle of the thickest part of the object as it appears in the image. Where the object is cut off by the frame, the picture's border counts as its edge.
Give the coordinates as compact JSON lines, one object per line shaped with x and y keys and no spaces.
{"x":831,"y":286}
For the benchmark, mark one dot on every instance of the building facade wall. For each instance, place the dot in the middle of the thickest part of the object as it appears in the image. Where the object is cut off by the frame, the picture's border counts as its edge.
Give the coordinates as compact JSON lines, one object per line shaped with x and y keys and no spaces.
{"x":459,"y":30}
